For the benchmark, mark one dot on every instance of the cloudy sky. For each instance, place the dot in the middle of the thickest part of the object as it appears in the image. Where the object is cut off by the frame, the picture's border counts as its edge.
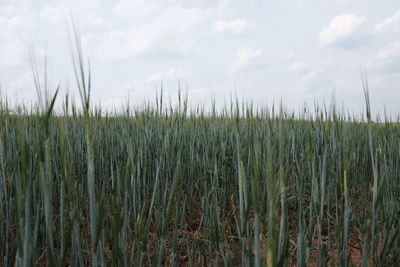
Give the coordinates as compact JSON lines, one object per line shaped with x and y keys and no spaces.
{"x":260,"y":51}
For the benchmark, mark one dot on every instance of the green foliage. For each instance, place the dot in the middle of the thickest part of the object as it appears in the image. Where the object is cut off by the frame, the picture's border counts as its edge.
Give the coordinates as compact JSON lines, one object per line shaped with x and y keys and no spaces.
{"x":171,"y":186}
{"x":168,"y":187}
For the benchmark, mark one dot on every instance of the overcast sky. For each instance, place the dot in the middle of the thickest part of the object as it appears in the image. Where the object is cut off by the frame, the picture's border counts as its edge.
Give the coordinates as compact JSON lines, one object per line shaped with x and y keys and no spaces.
{"x":262,"y":51}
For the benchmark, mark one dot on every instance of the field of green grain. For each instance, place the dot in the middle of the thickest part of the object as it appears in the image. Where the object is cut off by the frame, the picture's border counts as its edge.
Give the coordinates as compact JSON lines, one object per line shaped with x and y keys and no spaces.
{"x":172,"y":186}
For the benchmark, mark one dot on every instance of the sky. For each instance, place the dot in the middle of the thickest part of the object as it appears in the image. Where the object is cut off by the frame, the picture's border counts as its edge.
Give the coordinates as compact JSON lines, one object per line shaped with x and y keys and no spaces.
{"x":262,"y":52}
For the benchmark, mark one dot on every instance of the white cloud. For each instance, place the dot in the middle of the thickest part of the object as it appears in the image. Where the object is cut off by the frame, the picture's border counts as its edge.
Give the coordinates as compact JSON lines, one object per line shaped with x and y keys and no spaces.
{"x":16,"y":30}
{"x":299,"y":67}
{"x":309,"y":76}
{"x":23,"y":82}
{"x":244,"y":56}
{"x":342,"y":2}
{"x":391,"y":23}
{"x":389,"y":51}
{"x":233,"y":26}
{"x":12,"y":53}
{"x":172,"y":74}
{"x":341,"y":28}
{"x":87,"y":17}
{"x":223,"y":4}
{"x":16,"y":26}
{"x":170,"y":31}
{"x":118,"y":44}
{"x":290,"y":56}
{"x":387,"y":59}
{"x":135,"y":10}
{"x":53,"y":14}
{"x":92,"y":20}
